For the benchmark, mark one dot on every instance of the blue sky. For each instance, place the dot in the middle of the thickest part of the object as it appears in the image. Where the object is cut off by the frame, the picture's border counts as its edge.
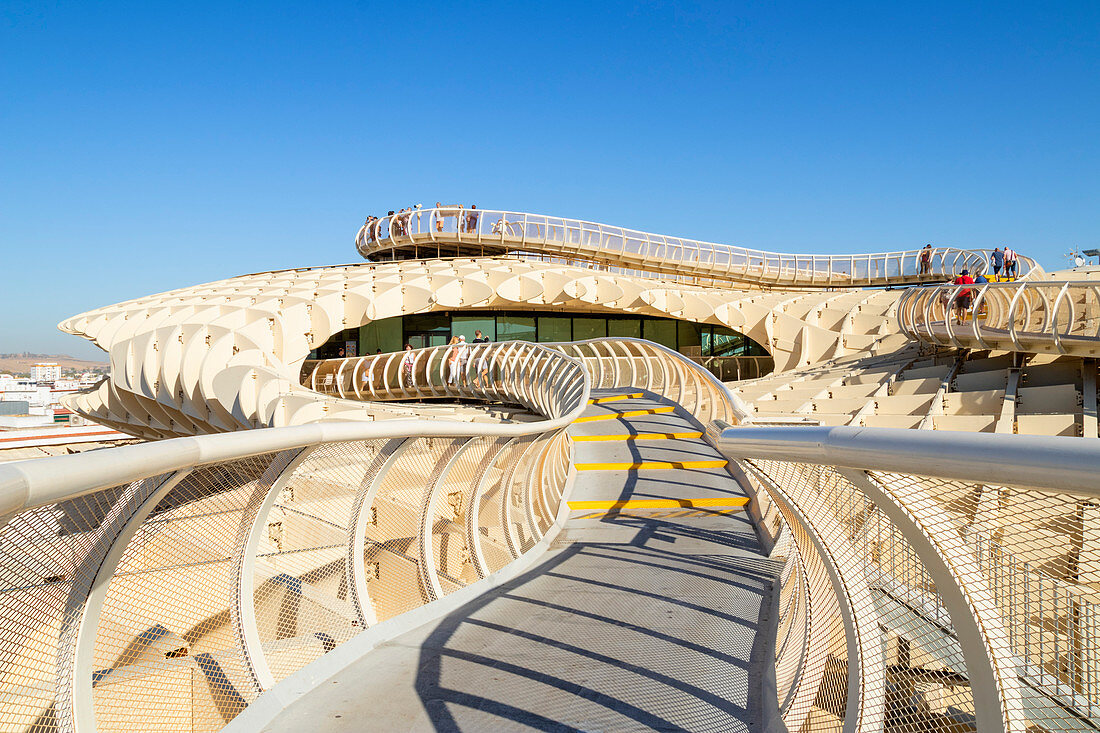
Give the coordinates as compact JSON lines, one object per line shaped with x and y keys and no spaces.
{"x":150,"y":146}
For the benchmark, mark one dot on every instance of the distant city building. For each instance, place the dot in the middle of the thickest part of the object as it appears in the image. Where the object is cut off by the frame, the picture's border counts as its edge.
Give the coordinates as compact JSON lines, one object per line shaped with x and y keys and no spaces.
{"x":46,"y":372}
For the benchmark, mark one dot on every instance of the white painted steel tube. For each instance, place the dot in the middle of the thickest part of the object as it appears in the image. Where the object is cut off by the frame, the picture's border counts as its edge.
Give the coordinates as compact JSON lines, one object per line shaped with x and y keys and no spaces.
{"x":1033,"y":461}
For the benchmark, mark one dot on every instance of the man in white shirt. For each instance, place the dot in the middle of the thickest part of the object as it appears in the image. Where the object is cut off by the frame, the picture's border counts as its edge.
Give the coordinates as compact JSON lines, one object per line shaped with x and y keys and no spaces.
{"x":1010,"y":262}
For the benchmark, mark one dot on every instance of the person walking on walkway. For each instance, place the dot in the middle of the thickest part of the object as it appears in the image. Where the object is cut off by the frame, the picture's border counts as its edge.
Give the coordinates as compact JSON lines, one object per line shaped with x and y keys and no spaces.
{"x":463,"y":357}
{"x":482,"y":356}
{"x":926,"y":260}
{"x":407,"y":362}
{"x":471,"y":219}
{"x":997,"y":259}
{"x":1010,"y":263}
{"x":452,"y":361}
{"x":963,"y":297}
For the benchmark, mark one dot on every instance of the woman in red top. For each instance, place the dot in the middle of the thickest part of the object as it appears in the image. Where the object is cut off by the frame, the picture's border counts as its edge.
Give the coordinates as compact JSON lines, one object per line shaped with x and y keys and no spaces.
{"x":964,"y":296}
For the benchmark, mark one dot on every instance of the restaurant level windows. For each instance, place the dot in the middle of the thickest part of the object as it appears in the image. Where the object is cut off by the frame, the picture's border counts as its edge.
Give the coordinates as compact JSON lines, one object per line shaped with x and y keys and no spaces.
{"x":689,"y":337}
{"x":630,"y":328}
{"x":555,"y":329}
{"x":589,"y":328}
{"x":515,"y":328}
{"x":662,"y":332}
{"x":427,"y":329}
{"x":468,"y":326}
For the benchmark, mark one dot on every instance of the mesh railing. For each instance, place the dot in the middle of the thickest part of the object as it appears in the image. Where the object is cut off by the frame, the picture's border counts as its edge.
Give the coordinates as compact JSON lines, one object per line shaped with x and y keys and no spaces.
{"x":533,"y":375}
{"x":453,"y":230}
{"x":166,"y":585}
{"x":1035,"y":316}
{"x":959,"y":600}
{"x":540,"y":377}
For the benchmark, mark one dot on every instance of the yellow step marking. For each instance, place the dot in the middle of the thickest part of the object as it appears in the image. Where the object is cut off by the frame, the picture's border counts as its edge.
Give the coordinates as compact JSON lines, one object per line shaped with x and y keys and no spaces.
{"x":716,"y":463}
{"x":673,"y":514}
{"x":615,"y":398}
{"x":616,"y":504}
{"x":639,"y":436}
{"x":629,"y":413}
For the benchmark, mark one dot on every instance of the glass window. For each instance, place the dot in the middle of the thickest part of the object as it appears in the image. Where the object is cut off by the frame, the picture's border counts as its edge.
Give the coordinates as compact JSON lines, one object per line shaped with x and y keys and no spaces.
{"x":420,"y":322}
{"x":555,"y":328}
{"x":589,"y":328}
{"x":468,"y":326}
{"x":726,"y":343}
{"x":661,"y":331}
{"x":384,"y":334}
{"x":515,"y":328}
{"x":690,"y":337}
{"x":630,"y":328}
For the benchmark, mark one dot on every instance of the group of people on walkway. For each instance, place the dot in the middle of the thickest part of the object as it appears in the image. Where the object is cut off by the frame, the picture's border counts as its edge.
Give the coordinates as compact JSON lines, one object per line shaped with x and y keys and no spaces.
{"x":465,"y":219}
{"x":1000,"y":259}
{"x":1004,"y":259}
{"x":459,"y":355}
{"x":456,"y":359}
{"x":400,"y":221}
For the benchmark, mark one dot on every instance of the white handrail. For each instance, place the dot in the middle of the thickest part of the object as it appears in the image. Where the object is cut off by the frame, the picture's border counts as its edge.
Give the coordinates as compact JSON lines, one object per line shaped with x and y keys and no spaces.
{"x":1033,"y":461}
{"x":540,"y":235}
{"x":895,"y":494}
{"x":1036,"y":315}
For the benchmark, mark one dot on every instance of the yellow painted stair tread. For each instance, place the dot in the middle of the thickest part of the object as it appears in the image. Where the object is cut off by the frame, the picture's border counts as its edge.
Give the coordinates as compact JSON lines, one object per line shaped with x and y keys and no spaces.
{"x":615,"y":398}
{"x":638,"y":436}
{"x":729,"y":501}
{"x":714,"y":463}
{"x":629,"y":413}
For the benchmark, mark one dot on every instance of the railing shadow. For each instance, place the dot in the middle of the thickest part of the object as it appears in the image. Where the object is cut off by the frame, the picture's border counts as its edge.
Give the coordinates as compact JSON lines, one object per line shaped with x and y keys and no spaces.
{"x":617,"y":644}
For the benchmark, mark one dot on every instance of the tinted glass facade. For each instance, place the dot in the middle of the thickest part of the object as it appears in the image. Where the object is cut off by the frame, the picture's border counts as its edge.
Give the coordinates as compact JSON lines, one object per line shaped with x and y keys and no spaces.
{"x":434,"y":329}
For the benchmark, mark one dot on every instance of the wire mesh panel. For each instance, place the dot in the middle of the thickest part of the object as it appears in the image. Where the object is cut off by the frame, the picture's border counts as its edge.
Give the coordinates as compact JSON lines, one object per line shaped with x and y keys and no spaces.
{"x":48,"y":556}
{"x":791,"y":629}
{"x":924,"y":683}
{"x":390,"y":555}
{"x":302,"y":601}
{"x":451,"y":556}
{"x":492,"y":536}
{"x":1037,"y":554}
{"x":165,"y":636}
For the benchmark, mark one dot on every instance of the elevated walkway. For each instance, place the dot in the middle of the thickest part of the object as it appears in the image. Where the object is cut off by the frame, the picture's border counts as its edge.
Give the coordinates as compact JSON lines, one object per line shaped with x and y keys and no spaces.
{"x":452,"y":231}
{"x":650,"y":610}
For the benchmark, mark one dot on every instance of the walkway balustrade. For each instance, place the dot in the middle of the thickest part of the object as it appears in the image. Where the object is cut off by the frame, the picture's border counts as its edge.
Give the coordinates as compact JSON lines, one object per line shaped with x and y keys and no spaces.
{"x":457,"y":231}
{"x":1032,"y":316}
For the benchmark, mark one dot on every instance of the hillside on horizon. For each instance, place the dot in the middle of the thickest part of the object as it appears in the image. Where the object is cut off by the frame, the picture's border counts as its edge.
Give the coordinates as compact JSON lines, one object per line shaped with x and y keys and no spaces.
{"x":21,"y":363}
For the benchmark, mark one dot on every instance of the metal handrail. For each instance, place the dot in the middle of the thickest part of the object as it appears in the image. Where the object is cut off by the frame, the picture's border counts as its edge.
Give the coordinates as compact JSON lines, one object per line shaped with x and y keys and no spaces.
{"x":1032,"y":461}
{"x":31,"y":483}
{"x":957,"y":578}
{"x":429,"y":374}
{"x":468,"y":232}
{"x":495,"y":371}
{"x":1056,"y":316}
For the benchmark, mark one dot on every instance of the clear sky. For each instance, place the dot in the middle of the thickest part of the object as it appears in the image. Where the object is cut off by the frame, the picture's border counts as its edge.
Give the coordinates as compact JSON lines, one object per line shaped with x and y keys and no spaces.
{"x":150,"y":146}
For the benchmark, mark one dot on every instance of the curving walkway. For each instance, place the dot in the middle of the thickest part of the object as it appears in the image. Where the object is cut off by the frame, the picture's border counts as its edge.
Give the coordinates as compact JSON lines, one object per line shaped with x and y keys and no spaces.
{"x":641,"y":617}
{"x":1040,"y":316}
{"x":458,"y":232}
